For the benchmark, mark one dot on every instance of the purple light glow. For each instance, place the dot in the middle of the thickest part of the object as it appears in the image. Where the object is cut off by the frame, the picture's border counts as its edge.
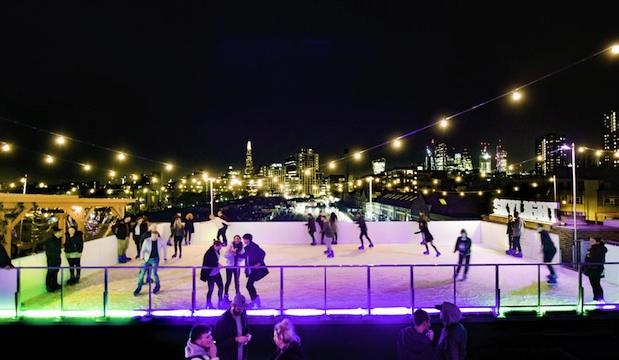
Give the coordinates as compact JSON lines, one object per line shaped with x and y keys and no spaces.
{"x":392,"y":311}
{"x":357,"y":311}
{"x":172,"y":313}
{"x":304,"y":312}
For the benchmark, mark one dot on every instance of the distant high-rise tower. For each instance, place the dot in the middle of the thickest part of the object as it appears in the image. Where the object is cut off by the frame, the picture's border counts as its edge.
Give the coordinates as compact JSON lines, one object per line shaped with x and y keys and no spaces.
{"x":308,"y":167}
{"x":467,"y":162}
{"x":485,"y":160}
{"x":249,"y":162}
{"x":378,"y":166}
{"x":501,"y":159}
{"x":441,"y":157}
{"x":610,"y":138}
{"x":550,"y":154}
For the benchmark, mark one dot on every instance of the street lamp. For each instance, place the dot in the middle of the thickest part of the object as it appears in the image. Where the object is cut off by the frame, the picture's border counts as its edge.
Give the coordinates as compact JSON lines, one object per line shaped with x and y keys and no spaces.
{"x":210,"y":180}
{"x":567,"y":147}
{"x":370,"y":180}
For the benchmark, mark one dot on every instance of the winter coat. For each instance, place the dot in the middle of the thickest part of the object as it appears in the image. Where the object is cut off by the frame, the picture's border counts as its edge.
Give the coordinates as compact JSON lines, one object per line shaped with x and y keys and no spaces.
{"x":254,"y":256}
{"x":413,"y":345}
{"x":548,"y":247}
{"x":232,"y":258}
{"x":596,"y":254}
{"x":147,"y":245}
{"x":225,"y":333}
{"x":178,"y":230}
{"x":52,"y":250}
{"x":143,"y":229}
{"x":311,"y":225}
{"x":463,"y":246}
{"x":75,"y":243}
{"x":292,"y":351}
{"x":362,"y":225}
{"x":189,"y":228}
{"x":122,"y":230}
{"x":334,"y":225}
{"x":517,"y":227}
{"x":452,"y":343}
{"x":193,"y":351}
{"x":210,"y":263}
{"x":327,"y":230}
{"x":510,"y":228}
{"x":423,"y":228}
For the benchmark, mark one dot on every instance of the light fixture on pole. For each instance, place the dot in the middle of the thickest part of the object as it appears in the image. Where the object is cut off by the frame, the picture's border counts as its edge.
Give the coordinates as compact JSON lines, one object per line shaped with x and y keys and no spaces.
{"x":573,"y":148}
{"x":6,"y":147}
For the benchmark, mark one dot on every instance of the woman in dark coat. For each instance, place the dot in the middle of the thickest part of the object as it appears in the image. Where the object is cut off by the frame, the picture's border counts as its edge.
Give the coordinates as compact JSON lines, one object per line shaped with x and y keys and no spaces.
{"x":73,"y":248}
{"x":597,"y":256}
{"x":211,"y":275}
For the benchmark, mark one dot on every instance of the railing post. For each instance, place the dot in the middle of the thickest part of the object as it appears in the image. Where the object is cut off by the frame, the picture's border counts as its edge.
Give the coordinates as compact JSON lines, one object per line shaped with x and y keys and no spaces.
{"x":539,"y":290}
{"x":281,"y":291}
{"x":193,"y":290}
{"x":453,"y":276}
{"x":17,"y":293}
{"x":150,"y":292}
{"x":325,"y":287}
{"x":369,"y":291}
{"x":61,"y":290}
{"x":412,"y":276}
{"x":497,"y":291}
{"x":105,"y":291}
{"x":581,"y":292}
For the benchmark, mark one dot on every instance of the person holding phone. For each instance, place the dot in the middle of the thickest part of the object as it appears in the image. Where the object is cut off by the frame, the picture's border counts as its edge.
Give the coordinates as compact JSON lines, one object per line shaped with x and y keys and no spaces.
{"x":415,"y":342}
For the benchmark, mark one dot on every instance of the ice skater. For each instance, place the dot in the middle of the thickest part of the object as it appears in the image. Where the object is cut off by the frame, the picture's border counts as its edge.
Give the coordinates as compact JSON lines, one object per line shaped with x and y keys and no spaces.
{"x":233,"y":265}
{"x":510,"y":235}
{"x":463,"y":247}
{"x":333,"y":221}
{"x":255,"y":268}
{"x":363,"y":228}
{"x":549,"y":250}
{"x":426,"y":236}
{"x":152,"y":249}
{"x":211,"y":275}
{"x":221,"y":232}
{"x":311,"y":228}
{"x":517,"y":232}
{"x":594,"y":267}
{"x":320,"y":220}
{"x":327,"y":232}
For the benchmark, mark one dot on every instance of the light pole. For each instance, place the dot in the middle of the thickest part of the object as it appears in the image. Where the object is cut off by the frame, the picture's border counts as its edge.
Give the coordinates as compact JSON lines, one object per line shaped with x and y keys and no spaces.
{"x":370,"y":180}
{"x":211,"y":187}
{"x":554,"y":186}
{"x":573,"y":148}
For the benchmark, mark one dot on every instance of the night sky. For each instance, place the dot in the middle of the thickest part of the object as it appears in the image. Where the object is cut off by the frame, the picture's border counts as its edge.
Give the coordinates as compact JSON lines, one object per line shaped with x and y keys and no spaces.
{"x":191,"y":83}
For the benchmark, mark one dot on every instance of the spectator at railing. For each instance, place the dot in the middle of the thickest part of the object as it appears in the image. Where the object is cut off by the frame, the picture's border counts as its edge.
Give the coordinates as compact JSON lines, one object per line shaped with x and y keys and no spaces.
{"x":137,"y":230}
{"x":452,"y":343}
{"x":231,"y":331}
{"x":200,"y":344}
{"x":287,"y":341}
{"x":73,"y":248}
{"x":52,"y":253}
{"x":595,"y":271}
{"x":415,"y":342}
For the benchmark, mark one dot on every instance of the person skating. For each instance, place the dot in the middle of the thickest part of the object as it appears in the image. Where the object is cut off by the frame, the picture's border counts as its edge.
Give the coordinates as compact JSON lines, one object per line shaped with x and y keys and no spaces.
{"x":52,"y":253}
{"x":140,"y":228}
{"x":510,"y":235}
{"x":320,"y":220}
{"x":177,"y":231}
{"x":200,"y":345}
{"x":415,"y":342}
{"x":222,"y":224}
{"x":327,"y":232}
{"x":122,"y":230}
{"x":463,"y":247}
{"x":452,"y":343}
{"x":287,"y":341}
{"x":211,"y":275}
{"x":549,"y":250}
{"x":233,"y":266}
{"x":334,"y":226}
{"x":426,"y":236}
{"x":517,"y":233}
{"x":363,"y":229}
{"x":594,"y":269}
{"x":254,"y":256}
{"x":231,"y":331}
{"x":73,"y":248}
{"x":152,"y":249}
{"x":189,"y":228}
{"x":311,"y":228}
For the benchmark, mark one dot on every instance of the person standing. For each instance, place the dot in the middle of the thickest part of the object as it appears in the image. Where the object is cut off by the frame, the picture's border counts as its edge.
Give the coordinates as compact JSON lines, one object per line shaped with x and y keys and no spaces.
{"x":311,"y":227}
{"x":254,"y":256}
{"x":222,"y":223}
{"x":211,"y":275}
{"x":549,"y":250}
{"x":287,"y":341}
{"x":452,"y":343}
{"x":426,"y":236}
{"x":517,"y":233}
{"x":320,"y":220}
{"x":334,"y":226}
{"x":594,"y":267}
{"x":510,"y":234}
{"x":189,"y":228}
{"x":122,"y":231}
{"x":140,"y":228}
{"x":73,"y":248}
{"x":328,"y":233}
{"x":415,"y":342}
{"x":231,"y":331}
{"x":177,"y":230}
{"x":363,"y":228}
{"x":233,"y":266}
{"x":200,"y":345}
{"x":52,"y":253}
{"x":463,"y":247}
{"x":151,"y":251}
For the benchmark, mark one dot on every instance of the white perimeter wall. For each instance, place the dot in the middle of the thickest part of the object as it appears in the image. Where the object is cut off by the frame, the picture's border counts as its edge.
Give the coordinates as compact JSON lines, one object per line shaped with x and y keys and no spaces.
{"x":494,"y":237}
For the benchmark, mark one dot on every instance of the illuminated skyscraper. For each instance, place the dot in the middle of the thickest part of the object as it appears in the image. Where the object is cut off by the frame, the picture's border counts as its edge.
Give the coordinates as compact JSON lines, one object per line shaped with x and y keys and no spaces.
{"x":308,"y":167}
{"x":610,"y":138}
{"x":550,"y":155}
{"x":249,"y":162}
{"x":501,"y":159}
{"x":485,"y":159}
{"x":378,"y":166}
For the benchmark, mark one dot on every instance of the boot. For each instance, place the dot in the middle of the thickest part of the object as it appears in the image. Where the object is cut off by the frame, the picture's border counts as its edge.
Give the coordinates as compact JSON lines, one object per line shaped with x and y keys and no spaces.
{"x":136,"y":292}
{"x":552,"y":279}
{"x":325,"y":252}
{"x":331,"y":254}
{"x":361,"y":247}
{"x":517,"y":254}
{"x":438,"y":254}
{"x":121,"y":260}
{"x":226,"y":301}
{"x":313,"y":243}
{"x":463,"y":278}
{"x":156,"y":289}
{"x":371,"y":244}
{"x":126,"y":258}
{"x":209,"y":304}
{"x":426,"y":252}
{"x":256,"y":302}
{"x":173,"y":256}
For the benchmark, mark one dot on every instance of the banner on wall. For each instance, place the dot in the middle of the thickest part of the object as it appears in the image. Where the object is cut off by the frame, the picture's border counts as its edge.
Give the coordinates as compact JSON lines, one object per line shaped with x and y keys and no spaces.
{"x":543,"y":211}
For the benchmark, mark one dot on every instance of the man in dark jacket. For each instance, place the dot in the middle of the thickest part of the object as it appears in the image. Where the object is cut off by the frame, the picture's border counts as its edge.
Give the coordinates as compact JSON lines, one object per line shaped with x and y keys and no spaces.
{"x":231,"y":332}
{"x":211,"y":275}
{"x":549,"y":250}
{"x":137,"y":230}
{"x":452,"y":343}
{"x":52,"y":253}
{"x":463,"y":247}
{"x":597,"y":256}
{"x":311,"y":227}
{"x":254,"y":256}
{"x":415,"y":342}
{"x":122,"y":231}
{"x":363,"y":230}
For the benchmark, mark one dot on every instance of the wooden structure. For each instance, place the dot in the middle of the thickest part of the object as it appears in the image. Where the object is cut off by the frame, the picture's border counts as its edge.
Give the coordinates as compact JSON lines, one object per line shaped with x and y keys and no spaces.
{"x":14,"y":207}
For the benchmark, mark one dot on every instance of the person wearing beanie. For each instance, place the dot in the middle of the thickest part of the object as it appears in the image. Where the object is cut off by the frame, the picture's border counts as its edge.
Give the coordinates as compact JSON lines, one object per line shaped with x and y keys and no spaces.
{"x":231,"y":331}
{"x":254,"y":267}
{"x":452,"y":343}
{"x":415,"y":342}
{"x":200,"y":345}
{"x":211,"y":275}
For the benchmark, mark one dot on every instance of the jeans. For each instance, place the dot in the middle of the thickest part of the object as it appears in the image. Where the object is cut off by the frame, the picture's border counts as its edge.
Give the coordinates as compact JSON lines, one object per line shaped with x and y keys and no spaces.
{"x":253,"y":294}
{"x":329,"y":242}
{"x":212,"y":280}
{"x":516,"y":242}
{"x":150,"y":264}
{"x":463,"y":259}
{"x":229,"y":274}
{"x":312,"y":235}
{"x":74,"y":268}
{"x":510,"y":239}
{"x":598,"y":292}
{"x":178,"y":242}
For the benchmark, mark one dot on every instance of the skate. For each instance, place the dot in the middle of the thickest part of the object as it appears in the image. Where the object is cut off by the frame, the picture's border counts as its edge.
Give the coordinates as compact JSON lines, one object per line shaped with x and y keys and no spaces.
{"x":225,"y":302}
{"x":313,"y":243}
{"x":463,"y":278}
{"x":552,"y":279}
{"x":330,"y":254}
{"x":509,"y":252}
{"x":334,"y":243}
{"x":426,"y":252}
{"x":209,"y":304}
{"x":438,"y":254}
{"x":173,"y":256}
{"x":371,"y":245}
{"x":156,"y":289}
{"x":517,"y":254}
{"x":136,"y":292}
{"x":361,"y":247}
{"x":325,"y":252}
{"x":180,"y":256}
